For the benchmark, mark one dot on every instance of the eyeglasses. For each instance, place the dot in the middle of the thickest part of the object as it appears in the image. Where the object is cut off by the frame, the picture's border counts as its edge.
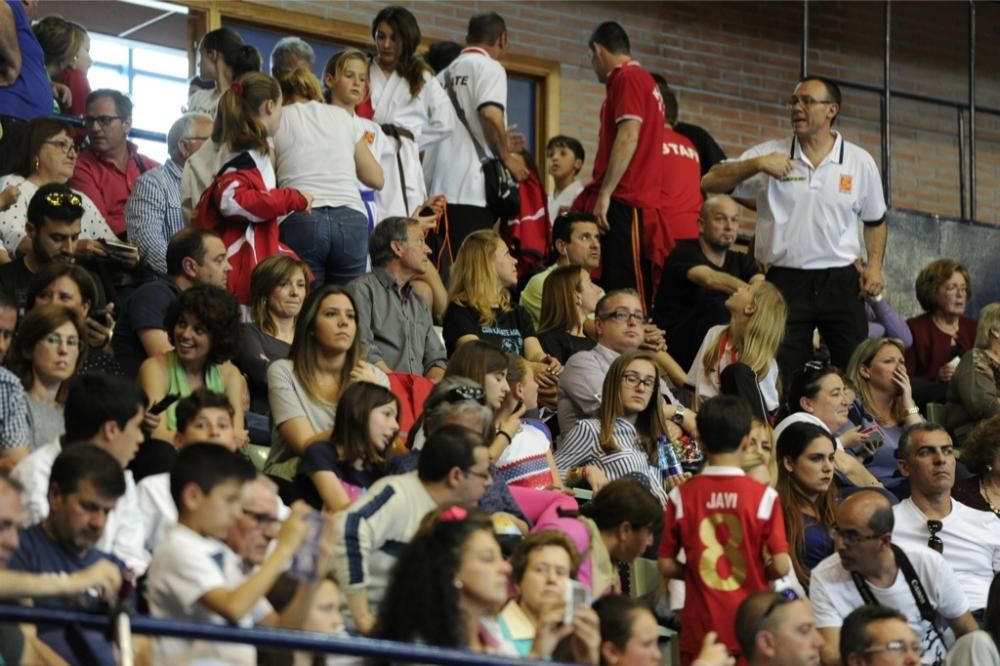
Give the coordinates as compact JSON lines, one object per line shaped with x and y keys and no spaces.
{"x":850,"y":537}
{"x":898,"y":647}
{"x":783,"y":597}
{"x":806,"y":101}
{"x":103,"y":121}
{"x":56,"y":340}
{"x":463,"y":393}
{"x":63,"y":145}
{"x":622,"y":316}
{"x":485,"y":476}
{"x":934,"y":542}
{"x":815,"y":366}
{"x":63,"y":198}
{"x":633,"y":380}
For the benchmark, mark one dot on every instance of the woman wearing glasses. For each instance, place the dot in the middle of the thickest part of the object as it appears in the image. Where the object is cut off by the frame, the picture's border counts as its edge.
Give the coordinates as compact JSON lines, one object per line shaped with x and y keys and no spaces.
{"x":817,"y":394}
{"x":47,"y":351}
{"x":49,"y":156}
{"x":943,"y":333}
{"x":808,"y":494}
{"x":622,"y":441}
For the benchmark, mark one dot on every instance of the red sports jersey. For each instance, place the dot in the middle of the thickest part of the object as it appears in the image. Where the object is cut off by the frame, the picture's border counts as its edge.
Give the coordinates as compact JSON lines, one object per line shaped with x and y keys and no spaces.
{"x":632,"y":95}
{"x":723,"y":520}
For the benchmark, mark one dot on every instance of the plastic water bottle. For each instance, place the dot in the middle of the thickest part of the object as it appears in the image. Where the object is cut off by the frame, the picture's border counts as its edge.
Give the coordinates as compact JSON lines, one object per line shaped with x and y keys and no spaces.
{"x":669,"y":462}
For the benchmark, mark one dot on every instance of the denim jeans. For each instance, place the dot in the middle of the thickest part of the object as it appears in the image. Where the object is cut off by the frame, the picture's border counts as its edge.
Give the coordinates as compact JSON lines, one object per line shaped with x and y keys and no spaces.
{"x":332,"y":241}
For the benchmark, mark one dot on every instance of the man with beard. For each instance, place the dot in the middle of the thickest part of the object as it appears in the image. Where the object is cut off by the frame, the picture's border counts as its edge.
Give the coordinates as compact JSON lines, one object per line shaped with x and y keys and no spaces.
{"x":698,"y":276}
{"x":84,"y":488}
{"x":53,"y":226}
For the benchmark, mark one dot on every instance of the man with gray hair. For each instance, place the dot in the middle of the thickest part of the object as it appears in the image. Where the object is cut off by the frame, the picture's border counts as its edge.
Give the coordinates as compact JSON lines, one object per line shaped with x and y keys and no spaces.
{"x":290,"y":54}
{"x":394,"y":322}
{"x":153,"y":211}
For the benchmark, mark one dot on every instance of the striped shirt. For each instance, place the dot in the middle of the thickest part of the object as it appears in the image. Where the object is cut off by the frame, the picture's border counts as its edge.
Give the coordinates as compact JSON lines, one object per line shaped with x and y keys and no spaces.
{"x":582,"y":446}
{"x":13,"y":411}
{"x":153,"y":213}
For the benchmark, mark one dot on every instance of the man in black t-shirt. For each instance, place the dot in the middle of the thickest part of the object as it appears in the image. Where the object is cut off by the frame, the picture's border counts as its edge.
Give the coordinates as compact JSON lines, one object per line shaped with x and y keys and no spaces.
{"x":698,"y":277}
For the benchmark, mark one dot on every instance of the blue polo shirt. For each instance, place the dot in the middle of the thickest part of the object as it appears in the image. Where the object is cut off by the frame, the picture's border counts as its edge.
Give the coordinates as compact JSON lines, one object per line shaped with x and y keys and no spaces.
{"x":31,"y":95}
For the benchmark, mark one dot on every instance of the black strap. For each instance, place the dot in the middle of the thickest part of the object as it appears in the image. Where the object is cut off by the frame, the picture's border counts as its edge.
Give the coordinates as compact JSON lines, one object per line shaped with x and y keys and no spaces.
{"x":138,"y":163}
{"x":394,"y":132}
{"x":927,"y":611}
{"x":450,"y":87}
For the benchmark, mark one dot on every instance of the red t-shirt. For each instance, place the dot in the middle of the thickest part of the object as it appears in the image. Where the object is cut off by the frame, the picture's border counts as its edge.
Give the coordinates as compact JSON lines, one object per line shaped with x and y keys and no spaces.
{"x":680,"y":196}
{"x":632,"y":95}
{"x":106,"y":185}
{"x":723,"y":520}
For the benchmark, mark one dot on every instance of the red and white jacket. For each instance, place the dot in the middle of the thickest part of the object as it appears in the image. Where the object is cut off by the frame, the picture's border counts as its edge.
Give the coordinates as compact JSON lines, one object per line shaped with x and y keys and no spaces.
{"x":243,"y":205}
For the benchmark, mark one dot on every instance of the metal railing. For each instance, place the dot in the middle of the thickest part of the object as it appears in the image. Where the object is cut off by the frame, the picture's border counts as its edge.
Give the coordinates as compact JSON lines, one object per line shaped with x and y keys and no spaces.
{"x":264,"y":637}
{"x":966,"y":175}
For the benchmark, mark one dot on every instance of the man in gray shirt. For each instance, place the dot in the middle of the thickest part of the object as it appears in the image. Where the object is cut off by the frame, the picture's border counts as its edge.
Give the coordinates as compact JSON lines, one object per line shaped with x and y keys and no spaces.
{"x":395,"y":323}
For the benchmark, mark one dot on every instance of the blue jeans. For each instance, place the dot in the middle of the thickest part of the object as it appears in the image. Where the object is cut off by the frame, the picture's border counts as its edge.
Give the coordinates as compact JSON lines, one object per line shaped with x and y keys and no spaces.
{"x":332,"y":241}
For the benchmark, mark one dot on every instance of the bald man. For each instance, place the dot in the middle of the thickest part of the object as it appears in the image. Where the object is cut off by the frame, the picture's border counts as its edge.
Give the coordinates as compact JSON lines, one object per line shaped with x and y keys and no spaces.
{"x":867,"y":568}
{"x":778,"y":629}
{"x":698,"y":277}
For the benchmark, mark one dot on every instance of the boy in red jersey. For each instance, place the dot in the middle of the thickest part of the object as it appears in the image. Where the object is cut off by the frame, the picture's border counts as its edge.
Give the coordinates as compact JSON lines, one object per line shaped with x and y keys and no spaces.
{"x":730,"y":527}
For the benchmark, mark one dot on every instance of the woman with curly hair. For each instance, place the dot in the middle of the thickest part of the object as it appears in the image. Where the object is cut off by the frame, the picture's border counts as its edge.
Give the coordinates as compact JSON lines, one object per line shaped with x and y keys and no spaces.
{"x":981,"y":456}
{"x":333,"y":474}
{"x":46,"y":353}
{"x":808,"y":494}
{"x":203,"y":325}
{"x":305,"y":389}
{"x":622,"y":441}
{"x":738,"y":358}
{"x":480,"y":306}
{"x":943,"y":333}
{"x":450,"y":582}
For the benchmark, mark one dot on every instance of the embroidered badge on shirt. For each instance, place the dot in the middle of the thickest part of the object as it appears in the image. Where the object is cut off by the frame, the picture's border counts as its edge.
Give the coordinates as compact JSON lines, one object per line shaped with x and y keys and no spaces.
{"x":370,"y":139}
{"x":846,"y":182}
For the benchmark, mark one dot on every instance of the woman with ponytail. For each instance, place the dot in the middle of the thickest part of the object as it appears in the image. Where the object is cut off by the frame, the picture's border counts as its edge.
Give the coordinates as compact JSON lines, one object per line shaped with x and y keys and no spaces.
{"x":223,"y":58}
{"x":242,"y":204}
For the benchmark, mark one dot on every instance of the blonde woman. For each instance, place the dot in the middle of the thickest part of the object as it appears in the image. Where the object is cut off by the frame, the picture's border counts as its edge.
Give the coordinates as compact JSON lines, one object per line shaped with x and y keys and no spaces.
{"x":731,"y":354}
{"x":622,"y":440}
{"x":480,"y":307}
{"x":883,"y":405}
{"x":568,"y":298}
{"x":974,"y":390}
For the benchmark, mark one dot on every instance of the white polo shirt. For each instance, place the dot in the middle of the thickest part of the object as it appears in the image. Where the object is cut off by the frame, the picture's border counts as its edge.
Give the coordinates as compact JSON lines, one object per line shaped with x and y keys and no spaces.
{"x":452,"y":166}
{"x":810,"y":218}
{"x":184,"y":567}
{"x":971,"y":544}
{"x":834,"y":595}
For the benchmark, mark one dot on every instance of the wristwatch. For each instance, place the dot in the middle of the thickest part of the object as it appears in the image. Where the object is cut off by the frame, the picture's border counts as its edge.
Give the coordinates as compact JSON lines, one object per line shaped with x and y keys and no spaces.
{"x":678,"y":415}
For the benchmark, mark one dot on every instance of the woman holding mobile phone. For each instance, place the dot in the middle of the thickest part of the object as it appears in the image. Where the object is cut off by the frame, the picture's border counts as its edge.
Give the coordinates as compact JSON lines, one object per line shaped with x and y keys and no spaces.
{"x":883,"y":405}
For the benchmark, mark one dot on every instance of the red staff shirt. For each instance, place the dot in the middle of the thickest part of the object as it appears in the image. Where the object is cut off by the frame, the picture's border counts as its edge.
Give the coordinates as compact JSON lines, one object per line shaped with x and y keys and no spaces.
{"x":632,"y":95}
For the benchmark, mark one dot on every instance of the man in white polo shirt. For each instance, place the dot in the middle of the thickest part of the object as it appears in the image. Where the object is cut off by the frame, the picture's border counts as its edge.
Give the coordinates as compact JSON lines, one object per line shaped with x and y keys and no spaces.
{"x":451,"y":166}
{"x":968,"y":538}
{"x":810,"y":193}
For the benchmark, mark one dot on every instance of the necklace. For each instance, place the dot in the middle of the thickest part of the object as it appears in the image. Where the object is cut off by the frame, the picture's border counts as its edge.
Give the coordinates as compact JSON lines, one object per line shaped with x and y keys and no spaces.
{"x":985,"y":492}
{"x":951,"y":330}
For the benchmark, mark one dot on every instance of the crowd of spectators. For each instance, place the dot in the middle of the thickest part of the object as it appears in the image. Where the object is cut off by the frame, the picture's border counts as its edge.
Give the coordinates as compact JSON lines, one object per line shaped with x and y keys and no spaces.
{"x":308,"y":374}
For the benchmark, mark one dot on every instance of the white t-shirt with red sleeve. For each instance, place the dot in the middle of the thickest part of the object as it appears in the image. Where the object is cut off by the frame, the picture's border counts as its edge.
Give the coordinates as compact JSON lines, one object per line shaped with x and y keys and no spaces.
{"x":724,"y":521}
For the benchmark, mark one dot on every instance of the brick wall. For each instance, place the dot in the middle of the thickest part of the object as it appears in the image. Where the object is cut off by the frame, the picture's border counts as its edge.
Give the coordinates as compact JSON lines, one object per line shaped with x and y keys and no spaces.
{"x":733,"y":62}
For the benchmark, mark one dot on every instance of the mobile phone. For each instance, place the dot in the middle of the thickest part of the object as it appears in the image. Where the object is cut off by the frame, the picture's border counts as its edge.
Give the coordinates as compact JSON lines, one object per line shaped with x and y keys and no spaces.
{"x":162,"y":405}
{"x":426,"y":211}
{"x":99,"y":315}
{"x":120,"y":247}
{"x":577,"y":596}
